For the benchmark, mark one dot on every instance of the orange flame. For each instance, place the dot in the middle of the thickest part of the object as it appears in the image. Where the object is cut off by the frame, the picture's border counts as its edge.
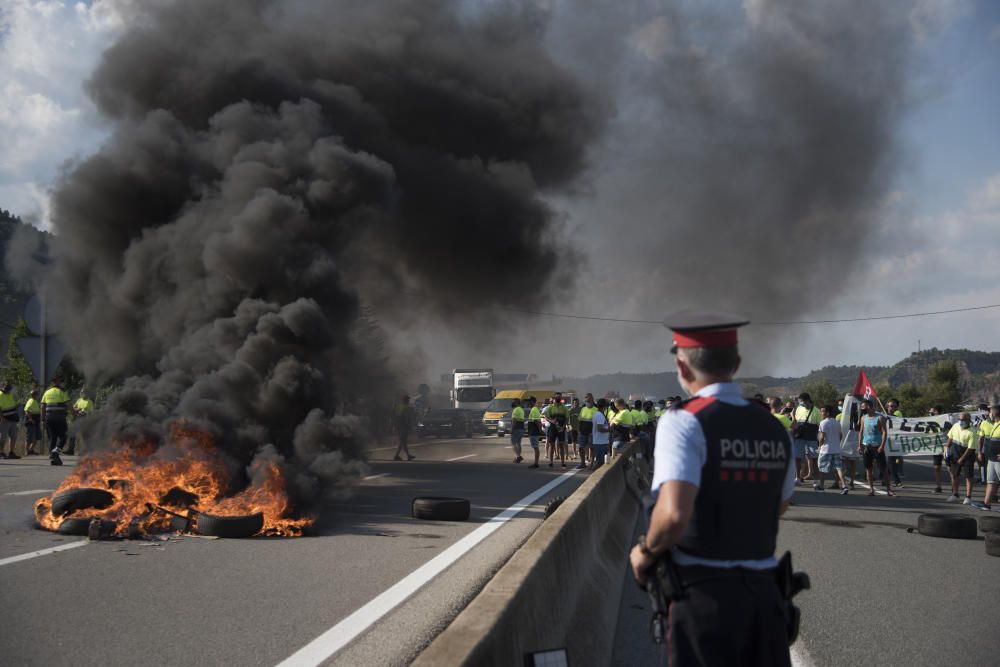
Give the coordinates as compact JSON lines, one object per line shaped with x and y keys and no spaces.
{"x":139,"y":473}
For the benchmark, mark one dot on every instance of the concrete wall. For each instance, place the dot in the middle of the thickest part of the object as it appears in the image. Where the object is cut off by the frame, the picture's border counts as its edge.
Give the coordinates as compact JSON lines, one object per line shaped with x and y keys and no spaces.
{"x":561,"y":589}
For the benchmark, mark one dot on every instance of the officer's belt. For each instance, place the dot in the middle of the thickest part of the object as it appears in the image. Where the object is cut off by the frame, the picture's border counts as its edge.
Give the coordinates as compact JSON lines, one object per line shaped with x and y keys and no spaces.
{"x":693,"y":575}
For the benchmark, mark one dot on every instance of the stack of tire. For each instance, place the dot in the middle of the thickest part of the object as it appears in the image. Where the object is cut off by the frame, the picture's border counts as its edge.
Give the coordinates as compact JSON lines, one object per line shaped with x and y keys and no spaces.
{"x":962,"y":527}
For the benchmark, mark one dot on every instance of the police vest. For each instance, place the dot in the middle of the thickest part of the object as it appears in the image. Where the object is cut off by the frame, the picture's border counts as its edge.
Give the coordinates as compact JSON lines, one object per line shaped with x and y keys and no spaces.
{"x":8,"y":407}
{"x":736,"y":509}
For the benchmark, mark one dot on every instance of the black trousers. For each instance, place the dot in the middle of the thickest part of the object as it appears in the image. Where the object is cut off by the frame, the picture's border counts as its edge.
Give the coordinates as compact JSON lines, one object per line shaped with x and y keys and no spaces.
{"x":57,"y":434}
{"x":733,"y":620}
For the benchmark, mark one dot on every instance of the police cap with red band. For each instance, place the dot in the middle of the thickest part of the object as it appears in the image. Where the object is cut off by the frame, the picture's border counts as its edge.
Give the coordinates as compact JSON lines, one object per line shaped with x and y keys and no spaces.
{"x":703,"y":328}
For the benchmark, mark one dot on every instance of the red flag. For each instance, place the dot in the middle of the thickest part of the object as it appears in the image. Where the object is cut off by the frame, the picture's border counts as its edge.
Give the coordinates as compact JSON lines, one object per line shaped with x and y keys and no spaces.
{"x":863,"y":387}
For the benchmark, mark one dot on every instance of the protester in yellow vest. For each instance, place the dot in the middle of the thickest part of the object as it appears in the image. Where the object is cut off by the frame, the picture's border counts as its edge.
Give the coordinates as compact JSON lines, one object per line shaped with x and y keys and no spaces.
{"x":621,"y":426}
{"x":777,"y":409}
{"x":8,"y":421}
{"x":32,"y":423}
{"x":587,"y":430}
{"x":55,"y":406}
{"x":80,"y":409}
{"x":962,"y":446}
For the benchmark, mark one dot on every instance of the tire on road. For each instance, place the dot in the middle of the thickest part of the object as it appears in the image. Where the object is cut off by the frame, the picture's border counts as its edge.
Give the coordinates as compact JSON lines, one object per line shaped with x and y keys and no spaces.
{"x":246,"y":525}
{"x":553,"y":505}
{"x":441,"y":509}
{"x":954,"y":526}
{"x":81,"y":499}
{"x":74,"y":526}
{"x":989,"y":524}
{"x":993,"y":544}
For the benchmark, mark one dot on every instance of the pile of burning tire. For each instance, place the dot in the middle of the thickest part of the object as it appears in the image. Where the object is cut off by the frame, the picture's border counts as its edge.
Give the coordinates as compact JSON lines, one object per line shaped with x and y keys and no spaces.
{"x":73,"y":501}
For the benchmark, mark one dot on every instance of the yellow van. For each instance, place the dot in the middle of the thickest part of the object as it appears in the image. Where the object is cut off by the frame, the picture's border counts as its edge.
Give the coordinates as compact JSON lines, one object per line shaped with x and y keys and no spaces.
{"x":496,"y":419}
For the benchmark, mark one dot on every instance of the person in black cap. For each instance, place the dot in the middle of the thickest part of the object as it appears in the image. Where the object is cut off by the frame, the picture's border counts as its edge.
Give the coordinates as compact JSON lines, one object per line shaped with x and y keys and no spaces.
{"x":722,"y":477}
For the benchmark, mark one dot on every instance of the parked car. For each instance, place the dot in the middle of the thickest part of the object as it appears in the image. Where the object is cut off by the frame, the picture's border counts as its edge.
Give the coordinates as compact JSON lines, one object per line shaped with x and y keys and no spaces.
{"x":445,"y":423}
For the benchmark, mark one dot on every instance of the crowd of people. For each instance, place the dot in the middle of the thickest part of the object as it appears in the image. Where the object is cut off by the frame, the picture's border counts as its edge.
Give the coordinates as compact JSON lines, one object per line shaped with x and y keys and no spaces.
{"x":824,"y":452}
{"x":43,"y":418}
{"x":589,"y":433}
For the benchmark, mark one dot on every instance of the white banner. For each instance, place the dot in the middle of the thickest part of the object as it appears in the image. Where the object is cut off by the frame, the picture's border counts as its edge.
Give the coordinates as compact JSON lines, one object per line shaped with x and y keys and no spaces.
{"x":908,"y":436}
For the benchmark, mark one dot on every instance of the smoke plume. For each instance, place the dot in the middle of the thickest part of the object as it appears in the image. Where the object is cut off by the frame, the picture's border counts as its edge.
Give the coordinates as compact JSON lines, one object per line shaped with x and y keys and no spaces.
{"x":752,"y":148}
{"x":276,"y":172}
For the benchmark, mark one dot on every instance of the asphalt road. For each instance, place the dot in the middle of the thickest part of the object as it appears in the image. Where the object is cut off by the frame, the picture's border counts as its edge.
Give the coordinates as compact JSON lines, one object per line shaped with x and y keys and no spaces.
{"x":880,"y":593}
{"x":256,"y":602}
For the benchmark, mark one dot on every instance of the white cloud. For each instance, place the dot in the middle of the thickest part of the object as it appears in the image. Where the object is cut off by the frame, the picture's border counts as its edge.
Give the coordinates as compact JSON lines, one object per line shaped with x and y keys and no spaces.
{"x":48,"y":48}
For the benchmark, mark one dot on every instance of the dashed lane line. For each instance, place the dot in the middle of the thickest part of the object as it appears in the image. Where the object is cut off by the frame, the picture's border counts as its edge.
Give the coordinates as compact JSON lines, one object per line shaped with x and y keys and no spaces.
{"x":41,"y":552}
{"x":343,"y":633}
{"x":381,"y":474}
{"x":33,"y":492}
{"x":459,"y":458}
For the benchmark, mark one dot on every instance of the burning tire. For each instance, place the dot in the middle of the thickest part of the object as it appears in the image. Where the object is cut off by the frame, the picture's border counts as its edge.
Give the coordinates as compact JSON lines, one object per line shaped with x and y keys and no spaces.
{"x":80,"y":499}
{"x":246,"y":525}
{"x":989,"y":524}
{"x":441,"y":509}
{"x":74,"y":526}
{"x":948,"y":525}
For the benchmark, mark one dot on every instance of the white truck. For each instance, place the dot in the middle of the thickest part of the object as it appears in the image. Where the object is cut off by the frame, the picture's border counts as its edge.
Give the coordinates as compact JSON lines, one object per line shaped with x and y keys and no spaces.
{"x":472,"y":388}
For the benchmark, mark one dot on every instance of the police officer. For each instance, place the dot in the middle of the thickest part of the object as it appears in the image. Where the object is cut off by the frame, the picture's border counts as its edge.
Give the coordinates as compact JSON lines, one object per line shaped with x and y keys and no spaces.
{"x":723,"y":476}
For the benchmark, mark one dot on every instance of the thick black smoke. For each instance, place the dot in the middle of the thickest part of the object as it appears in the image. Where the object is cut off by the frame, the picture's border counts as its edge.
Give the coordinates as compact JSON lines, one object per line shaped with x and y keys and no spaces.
{"x":277,"y":168}
{"x":753,"y":147}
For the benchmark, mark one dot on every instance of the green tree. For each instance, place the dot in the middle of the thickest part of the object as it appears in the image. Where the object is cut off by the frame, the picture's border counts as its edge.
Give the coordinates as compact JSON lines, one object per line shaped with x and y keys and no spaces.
{"x":943,"y":386}
{"x":912,"y":400}
{"x":822,"y":392}
{"x":19,"y":374}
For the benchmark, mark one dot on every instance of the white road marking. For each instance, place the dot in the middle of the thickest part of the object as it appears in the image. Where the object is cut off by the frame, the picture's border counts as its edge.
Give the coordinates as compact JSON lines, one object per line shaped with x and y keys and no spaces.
{"x":459,"y":458}
{"x":343,"y":633}
{"x":29,"y":493}
{"x":42,"y":552}
{"x":381,"y":474}
{"x":878,"y":491}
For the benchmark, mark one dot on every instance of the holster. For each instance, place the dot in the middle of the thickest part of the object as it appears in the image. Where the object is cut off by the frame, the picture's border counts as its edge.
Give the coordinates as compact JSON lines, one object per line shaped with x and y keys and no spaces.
{"x":790,"y":584}
{"x":663,"y":587}
{"x":669,"y":579}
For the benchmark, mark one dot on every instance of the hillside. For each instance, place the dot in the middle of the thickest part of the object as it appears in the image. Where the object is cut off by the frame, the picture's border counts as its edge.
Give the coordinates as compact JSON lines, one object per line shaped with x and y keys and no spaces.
{"x":979,"y":371}
{"x":623,"y":384}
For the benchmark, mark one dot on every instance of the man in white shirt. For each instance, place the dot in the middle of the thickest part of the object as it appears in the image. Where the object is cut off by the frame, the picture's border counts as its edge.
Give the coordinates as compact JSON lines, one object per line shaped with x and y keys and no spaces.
{"x":602,"y":435}
{"x":830,"y":459}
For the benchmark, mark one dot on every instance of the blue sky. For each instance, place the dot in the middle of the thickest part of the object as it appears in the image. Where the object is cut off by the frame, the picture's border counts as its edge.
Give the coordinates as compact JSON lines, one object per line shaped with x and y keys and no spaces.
{"x":954,"y":132}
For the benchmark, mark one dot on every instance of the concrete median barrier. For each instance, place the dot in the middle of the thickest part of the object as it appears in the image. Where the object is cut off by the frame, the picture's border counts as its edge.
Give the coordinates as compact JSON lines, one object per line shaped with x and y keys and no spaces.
{"x":561,"y":589}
